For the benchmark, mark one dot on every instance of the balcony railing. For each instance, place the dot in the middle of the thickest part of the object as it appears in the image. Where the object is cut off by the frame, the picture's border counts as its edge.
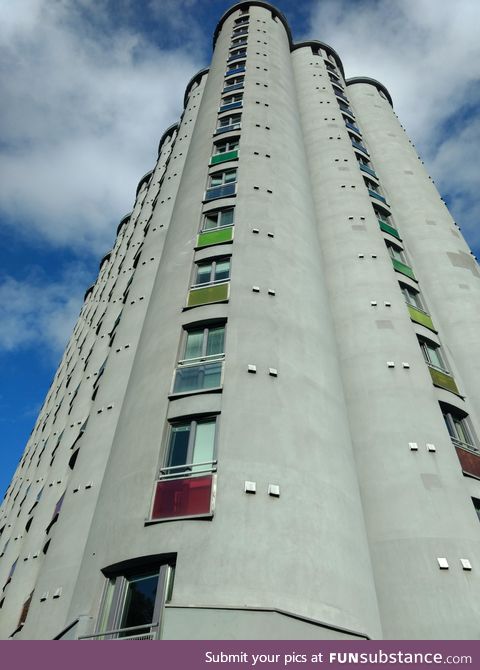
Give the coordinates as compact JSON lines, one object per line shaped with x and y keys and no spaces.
{"x":443,"y":379}
{"x":208,"y":294}
{"x":232,"y":87}
{"x":182,"y":496}
{"x":198,"y":374}
{"x":468,"y":456}
{"x":339,"y":94}
{"x":223,"y":157}
{"x":353,"y":127}
{"x":375,"y":194}
{"x":403,"y":268}
{"x":236,"y":70}
{"x":232,"y":58}
{"x":227,"y":129}
{"x":224,"y":191}
{"x":346,"y":109}
{"x":359,"y":146}
{"x":367,"y":169}
{"x":215,"y":236}
{"x":146,"y":632}
{"x":419,"y":316}
{"x":387,"y":228}
{"x":230,"y":105}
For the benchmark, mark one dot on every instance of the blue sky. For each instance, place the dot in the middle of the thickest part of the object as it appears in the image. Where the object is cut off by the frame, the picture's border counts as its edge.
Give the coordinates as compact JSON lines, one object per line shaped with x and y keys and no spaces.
{"x":90,"y":85}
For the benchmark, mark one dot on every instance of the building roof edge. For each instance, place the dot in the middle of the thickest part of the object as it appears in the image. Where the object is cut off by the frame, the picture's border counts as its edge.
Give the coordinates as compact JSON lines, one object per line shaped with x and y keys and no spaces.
{"x":373,"y":82}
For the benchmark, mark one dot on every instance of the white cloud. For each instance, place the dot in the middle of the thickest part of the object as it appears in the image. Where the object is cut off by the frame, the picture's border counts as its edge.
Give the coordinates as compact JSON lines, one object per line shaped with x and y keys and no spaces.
{"x":84,"y":107}
{"x":427,"y":53}
{"x":38,"y":311}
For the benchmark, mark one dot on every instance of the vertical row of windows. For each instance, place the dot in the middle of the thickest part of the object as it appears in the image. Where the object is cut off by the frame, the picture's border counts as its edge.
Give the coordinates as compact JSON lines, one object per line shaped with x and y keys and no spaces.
{"x":185,"y":485}
{"x":458,"y":424}
{"x":185,"y":482}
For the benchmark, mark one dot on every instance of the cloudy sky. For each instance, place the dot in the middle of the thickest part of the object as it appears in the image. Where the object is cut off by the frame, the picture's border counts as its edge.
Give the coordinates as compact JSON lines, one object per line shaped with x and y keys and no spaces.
{"x":88,"y":86}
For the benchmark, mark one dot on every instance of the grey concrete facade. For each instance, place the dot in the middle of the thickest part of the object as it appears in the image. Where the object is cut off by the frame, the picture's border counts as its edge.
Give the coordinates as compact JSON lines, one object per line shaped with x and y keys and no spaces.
{"x":346,"y":412}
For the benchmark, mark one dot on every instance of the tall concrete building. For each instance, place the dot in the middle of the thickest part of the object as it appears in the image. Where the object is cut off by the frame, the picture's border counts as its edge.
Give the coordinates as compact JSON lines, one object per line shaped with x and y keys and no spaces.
{"x":266,"y":422}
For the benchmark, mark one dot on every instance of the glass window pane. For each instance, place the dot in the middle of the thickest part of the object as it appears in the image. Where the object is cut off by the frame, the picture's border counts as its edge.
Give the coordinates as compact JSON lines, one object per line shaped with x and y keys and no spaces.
{"x":222,"y":270}
{"x":211,"y":221}
{"x":204,"y":442}
{"x":461,"y":430}
{"x":197,"y":377}
{"x":178,"y":447}
{"x":215,"y":341}
{"x":435,"y":357}
{"x":226,"y":217}
{"x":204,"y":273}
{"x":230,"y":176}
{"x":139,"y":602}
{"x":194,"y":344}
{"x":216,"y":180}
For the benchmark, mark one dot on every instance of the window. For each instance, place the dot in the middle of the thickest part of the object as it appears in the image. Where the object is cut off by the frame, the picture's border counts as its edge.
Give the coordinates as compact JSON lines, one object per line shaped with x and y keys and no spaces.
{"x":231,"y":102}
{"x":221,"y":184}
{"x":201,"y":367}
{"x":133,"y":602}
{"x":432,"y":354}
{"x":372,"y":187}
{"x":476,"y":504}
{"x":24,"y":612}
{"x":234,"y":83}
{"x":218,"y":218}
{"x":238,"y":66}
{"x":396,"y":253}
{"x":56,"y":512}
{"x":227,"y":123}
{"x":225,"y":146}
{"x":191,"y":446}
{"x":240,"y":31}
{"x":338,"y":91}
{"x":222,"y":178}
{"x":237,"y":53}
{"x":412,"y":297}
{"x":239,"y":41}
{"x":459,"y":428}
{"x":242,"y":19}
{"x":229,"y":99}
{"x":209,"y":272}
{"x":186,"y":483}
{"x":357,"y":144}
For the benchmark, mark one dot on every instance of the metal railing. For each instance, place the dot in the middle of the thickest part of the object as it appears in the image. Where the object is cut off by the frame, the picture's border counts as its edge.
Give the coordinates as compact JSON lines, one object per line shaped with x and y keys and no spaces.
{"x":117,"y":633}
{"x":359,"y":146}
{"x":369,"y":170}
{"x":353,"y":127}
{"x":220,"y":191}
{"x":186,"y":470}
{"x":377,"y":195}
{"x":232,"y":87}
{"x":464,"y":445}
{"x":227,"y":129}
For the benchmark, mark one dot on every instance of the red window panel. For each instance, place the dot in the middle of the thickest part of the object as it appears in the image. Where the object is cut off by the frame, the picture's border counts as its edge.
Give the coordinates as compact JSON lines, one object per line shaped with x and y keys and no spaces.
{"x":470,"y":462}
{"x":191,"y":496}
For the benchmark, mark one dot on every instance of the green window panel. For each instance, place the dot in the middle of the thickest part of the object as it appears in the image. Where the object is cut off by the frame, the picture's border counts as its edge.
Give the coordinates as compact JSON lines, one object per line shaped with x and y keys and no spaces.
{"x":422,"y":318}
{"x":203,"y":296}
{"x":221,"y":158}
{"x":389,"y":229}
{"x":404,"y":269}
{"x":443,"y":380}
{"x":215,"y":237}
